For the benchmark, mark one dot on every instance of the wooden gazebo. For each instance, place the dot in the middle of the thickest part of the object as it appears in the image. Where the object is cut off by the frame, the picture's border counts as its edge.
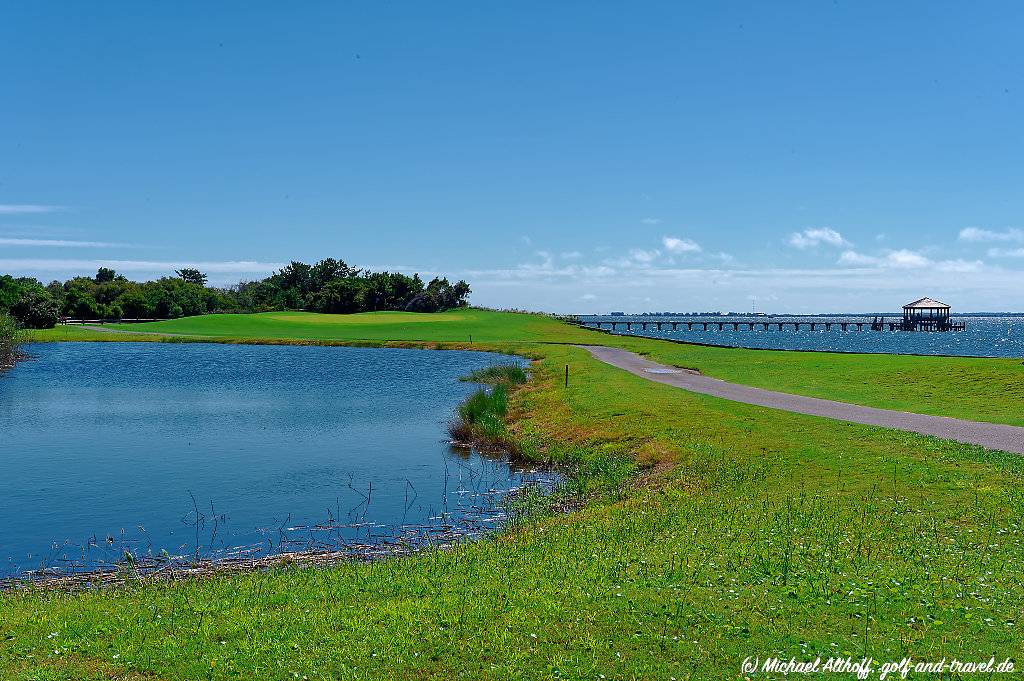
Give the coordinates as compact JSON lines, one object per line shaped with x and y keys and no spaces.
{"x":926,"y":314}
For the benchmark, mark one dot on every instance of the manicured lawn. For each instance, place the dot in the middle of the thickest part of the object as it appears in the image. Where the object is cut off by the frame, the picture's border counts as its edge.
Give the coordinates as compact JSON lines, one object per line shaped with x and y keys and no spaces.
{"x":971,"y":388}
{"x":457,"y":326}
{"x":749,"y":532}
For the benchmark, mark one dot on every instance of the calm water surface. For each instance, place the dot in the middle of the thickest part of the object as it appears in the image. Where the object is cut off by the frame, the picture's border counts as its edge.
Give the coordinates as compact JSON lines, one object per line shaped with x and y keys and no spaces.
{"x":104,"y":445}
{"x":984,"y":337}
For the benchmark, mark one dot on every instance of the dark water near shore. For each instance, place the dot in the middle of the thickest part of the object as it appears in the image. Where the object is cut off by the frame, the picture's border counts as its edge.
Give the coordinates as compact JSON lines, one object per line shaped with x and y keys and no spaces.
{"x":104,"y":445}
{"x":984,"y":337}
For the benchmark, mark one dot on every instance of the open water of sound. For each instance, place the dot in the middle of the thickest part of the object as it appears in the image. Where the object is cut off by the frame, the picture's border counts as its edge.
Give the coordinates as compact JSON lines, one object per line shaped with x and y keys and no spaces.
{"x":986,"y":336}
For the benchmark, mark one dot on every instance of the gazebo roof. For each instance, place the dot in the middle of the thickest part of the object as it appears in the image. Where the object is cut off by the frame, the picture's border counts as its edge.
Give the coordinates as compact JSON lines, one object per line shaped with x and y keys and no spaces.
{"x":927,"y":303}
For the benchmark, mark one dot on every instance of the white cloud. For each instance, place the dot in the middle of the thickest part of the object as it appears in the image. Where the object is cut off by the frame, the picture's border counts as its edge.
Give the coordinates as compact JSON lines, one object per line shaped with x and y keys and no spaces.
{"x":908,"y":260}
{"x":676,"y":245}
{"x":905,"y":258}
{"x":58,"y":243}
{"x":651,"y":221}
{"x":810,"y":238}
{"x":960,"y":266}
{"x":1006,"y":252}
{"x":588,"y":296}
{"x":976,"y":234}
{"x":571,"y":255}
{"x":26,"y":208}
{"x":857,"y":259}
{"x":642,"y":256}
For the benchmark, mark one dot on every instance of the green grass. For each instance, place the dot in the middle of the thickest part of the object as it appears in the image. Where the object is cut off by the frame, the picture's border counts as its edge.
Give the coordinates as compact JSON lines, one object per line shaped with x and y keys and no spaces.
{"x":500,"y":374}
{"x":76,"y":333}
{"x":973,"y":388}
{"x":750,"y":532}
{"x":980,"y":389}
{"x":482,"y":416}
{"x":456,"y":326}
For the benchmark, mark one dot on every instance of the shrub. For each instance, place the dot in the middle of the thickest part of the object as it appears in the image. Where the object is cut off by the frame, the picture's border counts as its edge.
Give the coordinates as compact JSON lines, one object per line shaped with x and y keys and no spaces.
{"x":10,"y":336}
{"x":36,"y":309}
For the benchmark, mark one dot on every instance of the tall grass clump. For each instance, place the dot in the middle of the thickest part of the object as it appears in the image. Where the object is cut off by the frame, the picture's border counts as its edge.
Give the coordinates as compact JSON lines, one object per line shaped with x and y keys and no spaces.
{"x":481,"y":418}
{"x":10,"y":337}
{"x":501,"y":374}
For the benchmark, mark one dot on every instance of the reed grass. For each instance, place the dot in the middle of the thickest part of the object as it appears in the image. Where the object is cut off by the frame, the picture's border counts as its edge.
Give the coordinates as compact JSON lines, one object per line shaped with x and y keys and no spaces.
{"x":481,"y":419}
{"x":500,"y":374}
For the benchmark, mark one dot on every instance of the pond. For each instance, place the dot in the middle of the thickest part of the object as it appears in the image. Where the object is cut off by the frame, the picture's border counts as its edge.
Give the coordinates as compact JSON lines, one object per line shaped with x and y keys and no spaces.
{"x":234,"y":450}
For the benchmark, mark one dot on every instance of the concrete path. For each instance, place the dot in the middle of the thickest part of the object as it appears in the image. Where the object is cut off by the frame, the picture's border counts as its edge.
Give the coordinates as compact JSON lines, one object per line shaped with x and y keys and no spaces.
{"x":103,"y":329}
{"x":988,"y":435}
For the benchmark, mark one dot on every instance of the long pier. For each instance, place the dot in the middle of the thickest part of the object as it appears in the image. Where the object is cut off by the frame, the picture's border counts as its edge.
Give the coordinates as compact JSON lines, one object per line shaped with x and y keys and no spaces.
{"x":878,"y":324}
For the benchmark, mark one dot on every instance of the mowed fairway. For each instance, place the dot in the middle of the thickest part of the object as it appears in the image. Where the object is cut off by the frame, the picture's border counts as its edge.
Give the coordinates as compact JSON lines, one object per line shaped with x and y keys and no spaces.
{"x":456,"y":326}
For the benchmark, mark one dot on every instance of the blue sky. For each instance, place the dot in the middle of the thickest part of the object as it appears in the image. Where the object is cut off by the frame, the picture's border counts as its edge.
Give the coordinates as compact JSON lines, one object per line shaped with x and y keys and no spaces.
{"x":571,"y":157}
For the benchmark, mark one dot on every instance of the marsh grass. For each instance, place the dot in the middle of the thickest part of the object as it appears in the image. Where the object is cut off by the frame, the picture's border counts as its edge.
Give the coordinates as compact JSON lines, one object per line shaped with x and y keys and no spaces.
{"x":501,"y":374}
{"x":480,"y":419}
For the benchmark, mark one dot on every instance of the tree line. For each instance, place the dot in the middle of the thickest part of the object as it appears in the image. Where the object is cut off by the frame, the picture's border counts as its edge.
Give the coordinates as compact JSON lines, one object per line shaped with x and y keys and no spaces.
{"x":327,"y":286}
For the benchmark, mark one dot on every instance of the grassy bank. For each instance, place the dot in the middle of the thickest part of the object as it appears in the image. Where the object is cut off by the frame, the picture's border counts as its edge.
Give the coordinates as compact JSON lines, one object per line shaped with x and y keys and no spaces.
{"x":972,"y":388}
{"x":750,"y":532}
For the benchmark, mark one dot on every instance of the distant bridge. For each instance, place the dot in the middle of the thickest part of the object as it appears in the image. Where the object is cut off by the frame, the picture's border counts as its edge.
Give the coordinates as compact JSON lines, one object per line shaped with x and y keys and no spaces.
{"x":876,"y":324}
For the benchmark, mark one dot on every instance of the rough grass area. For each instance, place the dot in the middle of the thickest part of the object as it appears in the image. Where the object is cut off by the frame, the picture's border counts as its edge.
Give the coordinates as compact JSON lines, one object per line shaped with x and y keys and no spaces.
{"x":971,"y":388}
{"x":748,"y":532}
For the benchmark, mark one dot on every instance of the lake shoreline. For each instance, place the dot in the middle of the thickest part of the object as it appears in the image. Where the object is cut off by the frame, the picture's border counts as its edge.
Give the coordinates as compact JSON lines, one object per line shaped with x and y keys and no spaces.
{"x":406,"y":541}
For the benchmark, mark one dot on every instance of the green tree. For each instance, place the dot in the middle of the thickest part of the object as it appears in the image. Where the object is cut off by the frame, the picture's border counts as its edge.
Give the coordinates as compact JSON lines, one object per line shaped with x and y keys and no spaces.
{"x":36,"y":309}
{"x":191,"y":276}
{"x":10,"y":336}
{"x":105,"y":274}
{"x":298,"y":276}
{"x":340,"y":296}
{"x":134,"y":305}
{"x":328,"y":270}
{"x":10,"y":292}
{"x":79,"y":301}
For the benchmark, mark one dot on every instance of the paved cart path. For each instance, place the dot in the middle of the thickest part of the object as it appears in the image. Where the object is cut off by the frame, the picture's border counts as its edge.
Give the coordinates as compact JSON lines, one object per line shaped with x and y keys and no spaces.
{"x":104,"y":329}
{"x":988,"y":435}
